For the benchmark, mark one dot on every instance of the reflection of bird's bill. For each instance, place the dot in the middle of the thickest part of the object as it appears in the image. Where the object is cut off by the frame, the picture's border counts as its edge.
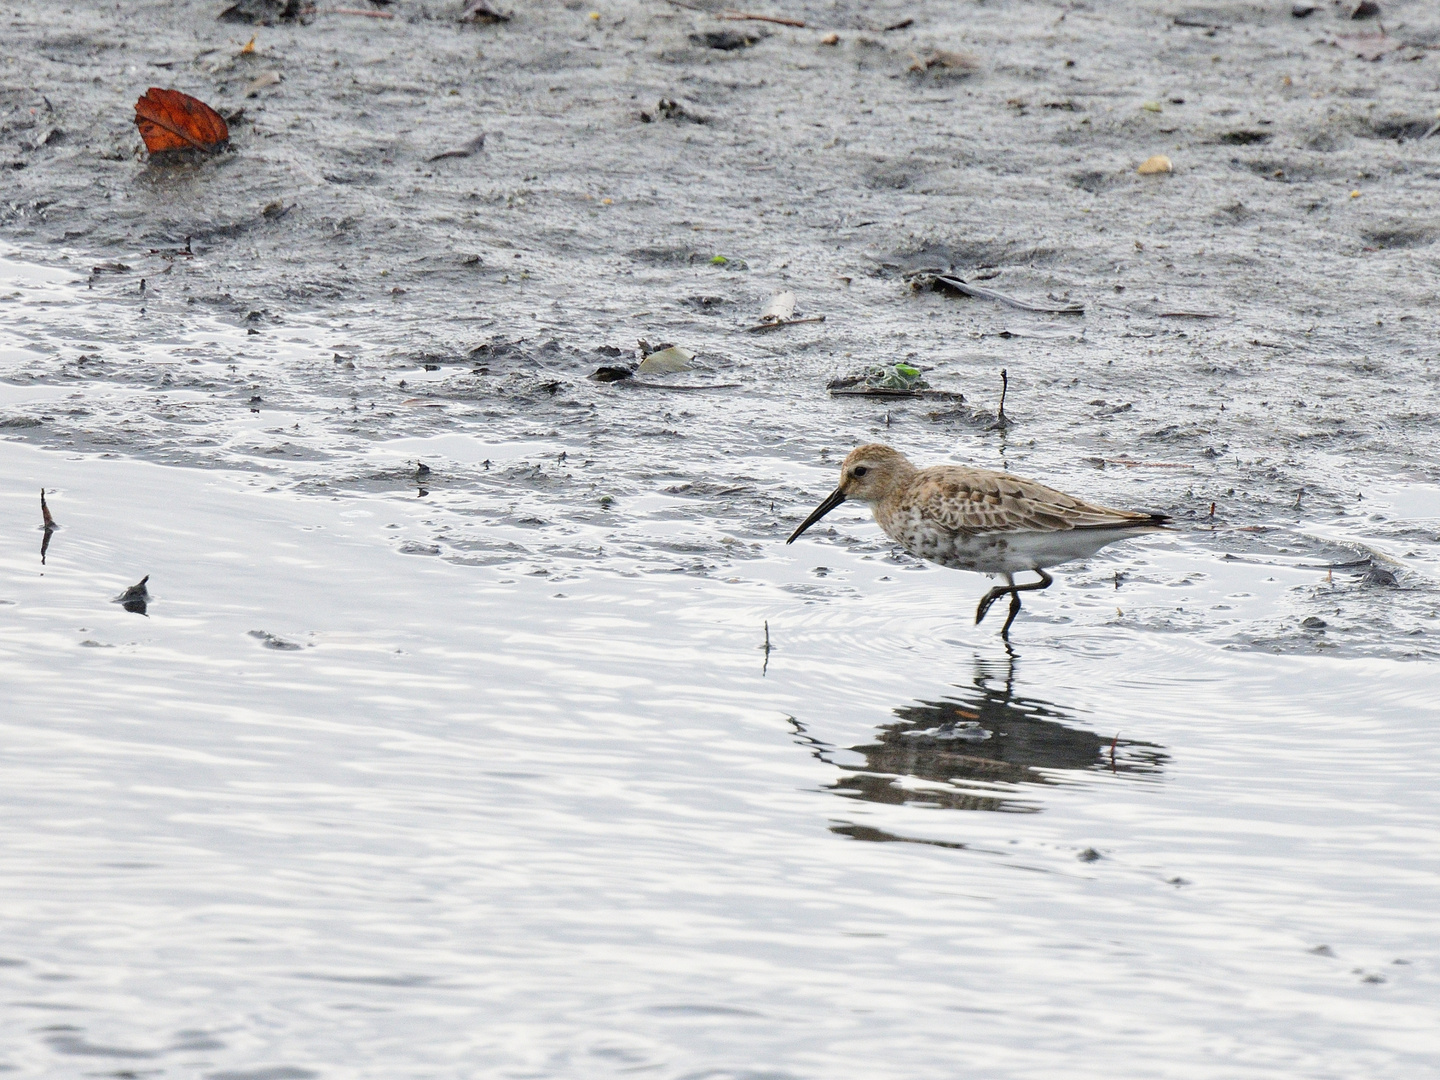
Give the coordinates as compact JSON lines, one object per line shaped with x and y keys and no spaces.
{"x":834,"y":499}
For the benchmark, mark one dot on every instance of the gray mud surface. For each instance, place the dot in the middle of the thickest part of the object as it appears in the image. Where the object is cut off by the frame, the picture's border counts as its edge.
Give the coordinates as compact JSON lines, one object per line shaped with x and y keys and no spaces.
{"x":1259,"y":326}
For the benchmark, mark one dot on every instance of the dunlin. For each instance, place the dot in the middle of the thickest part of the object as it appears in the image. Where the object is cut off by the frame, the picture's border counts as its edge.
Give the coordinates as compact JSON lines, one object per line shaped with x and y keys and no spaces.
{"x":978,"y":519}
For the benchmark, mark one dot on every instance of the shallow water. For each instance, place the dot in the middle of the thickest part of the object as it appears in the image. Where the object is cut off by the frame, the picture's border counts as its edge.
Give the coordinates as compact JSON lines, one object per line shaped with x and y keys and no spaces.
{"x":338,"y":810}
{"x":550,"y":759}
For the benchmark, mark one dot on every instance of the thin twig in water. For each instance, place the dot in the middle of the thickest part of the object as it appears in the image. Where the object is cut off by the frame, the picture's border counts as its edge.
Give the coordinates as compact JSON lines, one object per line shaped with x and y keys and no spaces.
{"x":1004,"y":386}
{"x":1131,"y":463}
{"x":737,"y":16}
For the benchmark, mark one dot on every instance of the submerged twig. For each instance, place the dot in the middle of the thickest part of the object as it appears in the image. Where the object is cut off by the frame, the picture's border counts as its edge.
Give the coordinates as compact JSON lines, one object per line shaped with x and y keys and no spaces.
{"x":737,"y":16}
{"x":48,"y":526}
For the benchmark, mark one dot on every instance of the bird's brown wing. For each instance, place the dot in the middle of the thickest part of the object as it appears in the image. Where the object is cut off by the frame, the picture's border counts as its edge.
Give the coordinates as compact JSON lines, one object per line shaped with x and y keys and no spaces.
{"x":980,"y":500}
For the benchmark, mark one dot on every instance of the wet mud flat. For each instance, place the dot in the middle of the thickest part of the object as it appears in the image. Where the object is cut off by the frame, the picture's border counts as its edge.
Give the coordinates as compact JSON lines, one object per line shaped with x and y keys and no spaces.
{"x":477,"y":720}
{"x":1258,"y":331}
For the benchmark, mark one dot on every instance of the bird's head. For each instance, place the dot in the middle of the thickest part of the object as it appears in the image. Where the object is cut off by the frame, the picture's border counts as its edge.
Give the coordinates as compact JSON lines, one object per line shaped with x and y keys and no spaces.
{"x":868,"y":474}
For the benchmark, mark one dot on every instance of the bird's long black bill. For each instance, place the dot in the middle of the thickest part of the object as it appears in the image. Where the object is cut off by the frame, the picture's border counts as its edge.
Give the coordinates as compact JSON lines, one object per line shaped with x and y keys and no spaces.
{"x":834,"y":499}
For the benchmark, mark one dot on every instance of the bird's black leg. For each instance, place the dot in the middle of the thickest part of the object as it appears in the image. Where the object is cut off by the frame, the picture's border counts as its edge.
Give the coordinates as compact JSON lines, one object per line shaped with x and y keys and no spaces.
{"x":993,"y":595}
{"x":1014,"y":610}
{"x":1015,"y":590}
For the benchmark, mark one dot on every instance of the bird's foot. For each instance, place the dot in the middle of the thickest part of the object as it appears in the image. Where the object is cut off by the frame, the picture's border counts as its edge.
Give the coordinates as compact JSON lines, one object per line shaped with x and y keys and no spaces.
{"x":988,"y":599}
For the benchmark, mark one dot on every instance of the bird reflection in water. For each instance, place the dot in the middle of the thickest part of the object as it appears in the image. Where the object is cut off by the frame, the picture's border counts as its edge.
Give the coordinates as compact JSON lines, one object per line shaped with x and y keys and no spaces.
{"x":985,"y":748}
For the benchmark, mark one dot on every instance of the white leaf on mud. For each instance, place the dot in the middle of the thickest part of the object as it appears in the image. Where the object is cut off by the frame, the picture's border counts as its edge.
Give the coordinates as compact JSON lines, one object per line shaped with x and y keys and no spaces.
{"x":264,"y":79}
{"x":780,"y":308}
{"x":477,"y":11}
{"x":666,"y":361}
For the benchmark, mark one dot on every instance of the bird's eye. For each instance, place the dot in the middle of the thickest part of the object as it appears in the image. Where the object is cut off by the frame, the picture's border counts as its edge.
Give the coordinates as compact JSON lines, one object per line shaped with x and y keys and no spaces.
{"x":859,"y":471}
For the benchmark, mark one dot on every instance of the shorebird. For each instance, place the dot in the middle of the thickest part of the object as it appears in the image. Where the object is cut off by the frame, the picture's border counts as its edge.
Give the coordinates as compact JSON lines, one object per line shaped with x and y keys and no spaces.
{"x":978,"y":519}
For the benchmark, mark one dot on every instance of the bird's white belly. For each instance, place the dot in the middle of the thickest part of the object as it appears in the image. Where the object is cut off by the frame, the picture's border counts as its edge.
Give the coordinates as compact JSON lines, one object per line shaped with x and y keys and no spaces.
{"x":1004,"y":552}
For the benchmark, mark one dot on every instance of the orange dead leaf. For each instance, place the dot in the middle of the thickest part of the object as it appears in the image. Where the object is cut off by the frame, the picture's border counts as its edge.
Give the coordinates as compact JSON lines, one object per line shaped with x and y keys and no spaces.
{"x":170,"y":120}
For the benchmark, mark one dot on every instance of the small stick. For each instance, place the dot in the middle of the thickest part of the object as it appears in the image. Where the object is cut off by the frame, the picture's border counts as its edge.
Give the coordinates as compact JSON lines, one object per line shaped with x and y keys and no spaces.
{"x":760,"y":328}
{"x":1129,"y":463}
{"x":962,"y":286}
{"x":880,"y":391}
{"x":901,"y":25}
{"x":737,"y":16}
{"x":640,"y":385}
{"x":766,"y":665}
{"x":1004,"y":386}
{"x":49,"y":525}
{"x":1113,"y":743}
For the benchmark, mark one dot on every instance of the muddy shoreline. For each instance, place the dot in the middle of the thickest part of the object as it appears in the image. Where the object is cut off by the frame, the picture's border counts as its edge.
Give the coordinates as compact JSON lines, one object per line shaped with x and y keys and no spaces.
{"x":1258,"y":331}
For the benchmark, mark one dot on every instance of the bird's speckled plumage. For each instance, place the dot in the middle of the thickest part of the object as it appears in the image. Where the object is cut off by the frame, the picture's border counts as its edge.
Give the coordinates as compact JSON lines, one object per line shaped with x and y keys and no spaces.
{"x":978,"y":519}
